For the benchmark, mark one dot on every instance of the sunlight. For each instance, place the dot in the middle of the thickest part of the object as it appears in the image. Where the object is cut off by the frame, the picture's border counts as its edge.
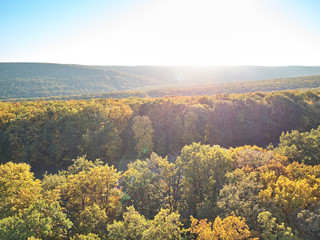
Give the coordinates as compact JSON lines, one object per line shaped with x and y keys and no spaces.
{"x":177,"y":32}
{"x":193,"y":32}
{"x":170,"y":33}
{"x":202,"y":33}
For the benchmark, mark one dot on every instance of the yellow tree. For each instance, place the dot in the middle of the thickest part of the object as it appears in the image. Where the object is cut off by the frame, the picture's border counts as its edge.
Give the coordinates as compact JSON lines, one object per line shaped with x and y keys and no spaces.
{"x":296,"y":188}
{"x":99,"y":186}
{"x":231,"y":227}
{"x":18,"y":188}
{"x":290,"y":195}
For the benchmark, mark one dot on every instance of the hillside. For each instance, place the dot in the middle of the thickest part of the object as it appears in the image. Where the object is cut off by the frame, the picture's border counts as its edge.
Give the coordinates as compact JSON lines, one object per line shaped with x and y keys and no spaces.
{"x":38,"y":80}
{"x":27,"y":80}
{"x":215,"y":74}
{"x":307,"y":82}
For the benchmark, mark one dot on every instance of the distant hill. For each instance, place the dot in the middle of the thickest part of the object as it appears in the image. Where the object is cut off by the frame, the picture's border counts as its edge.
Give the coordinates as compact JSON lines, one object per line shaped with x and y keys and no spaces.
{"x":29,"y":80}
{"x":39,"y":80}
{"x":298,"y":83}
{"x":306,"y":82}
{"x":210,"y":74}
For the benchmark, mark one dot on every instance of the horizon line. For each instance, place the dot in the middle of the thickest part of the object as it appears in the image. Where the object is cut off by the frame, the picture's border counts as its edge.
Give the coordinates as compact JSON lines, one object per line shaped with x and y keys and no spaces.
{"x":160,"y":65}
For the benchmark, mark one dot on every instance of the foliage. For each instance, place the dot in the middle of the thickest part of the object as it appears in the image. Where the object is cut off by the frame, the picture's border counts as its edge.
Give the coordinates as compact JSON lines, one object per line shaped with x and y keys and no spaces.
{"x":231,"y":227}
{"x":165,"y":225}
{"x":98,"y":186}
{"x":253,"y":157}
{"x":82,"y":164}
{"x":288,"y":193}
{"x":40,"y":220}
{"x":240,"y":195}
{"x":53,"y":181}
{"x":49,"y":134}
{"x":18,"y":188}
{"x":154,"y":196}
{"x":89,"y":236}
{"x":271,"y":230}
{"x":307,"y":222}
{"x":93,"y":219}
{"x":204,"y":170}
{"x":143,"y":183}
{"x":301,"y":147}
{"x":143,"y":133}
{"x":132,"y":227}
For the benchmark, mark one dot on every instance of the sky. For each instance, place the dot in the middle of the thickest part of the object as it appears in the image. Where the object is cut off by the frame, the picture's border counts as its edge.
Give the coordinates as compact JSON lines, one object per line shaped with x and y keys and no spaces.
{"x":161,"y":32}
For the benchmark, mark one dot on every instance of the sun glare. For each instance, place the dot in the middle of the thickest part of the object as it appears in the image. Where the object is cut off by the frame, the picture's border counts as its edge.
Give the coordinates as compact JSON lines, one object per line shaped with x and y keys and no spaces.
{"x":193,"y":32}
{"x":203,"y":32}
{"x":187,"y":32}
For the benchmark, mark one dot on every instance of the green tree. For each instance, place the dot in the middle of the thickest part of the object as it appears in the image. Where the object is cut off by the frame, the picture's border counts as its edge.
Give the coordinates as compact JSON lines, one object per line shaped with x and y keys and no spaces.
{"x":143,"y":133}
{"x":142,"y":182}
{"x":82,"y":164}
{"x":301,"y":147}
{"x":253,"y":157}
{"x":165,"y":225}
{"x":170,"y":175}
{"x":240,"y":195}
{"x":271,"y":230}
{"x":131,"y":228}
{"x":191,"y":133}
{"x":203,"y":176}
{"x":92,"y":219}
{"x":89,"y":236}
{"x":40,"y":220}
{"x":307,"y":222}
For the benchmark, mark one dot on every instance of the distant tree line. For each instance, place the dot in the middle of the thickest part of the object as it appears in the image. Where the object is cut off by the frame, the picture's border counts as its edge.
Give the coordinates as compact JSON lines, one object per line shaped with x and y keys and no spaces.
{"x":52,"y":133}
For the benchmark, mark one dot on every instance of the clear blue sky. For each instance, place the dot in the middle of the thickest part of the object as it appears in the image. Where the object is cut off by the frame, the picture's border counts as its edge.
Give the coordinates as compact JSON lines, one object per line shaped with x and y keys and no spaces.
{"x":161,"y":32}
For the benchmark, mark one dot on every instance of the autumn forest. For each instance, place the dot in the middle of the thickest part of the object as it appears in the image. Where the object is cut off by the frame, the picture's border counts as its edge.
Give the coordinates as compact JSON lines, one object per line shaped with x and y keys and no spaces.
{"x":226,"y":166}
{"x":159,"y":120}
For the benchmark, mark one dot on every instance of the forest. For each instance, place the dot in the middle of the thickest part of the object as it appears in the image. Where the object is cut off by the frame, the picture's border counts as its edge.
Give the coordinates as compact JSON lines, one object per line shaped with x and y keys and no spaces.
{"x":25,"y":81}
{"x":271,"y":85}
{"x":224,"y":166}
